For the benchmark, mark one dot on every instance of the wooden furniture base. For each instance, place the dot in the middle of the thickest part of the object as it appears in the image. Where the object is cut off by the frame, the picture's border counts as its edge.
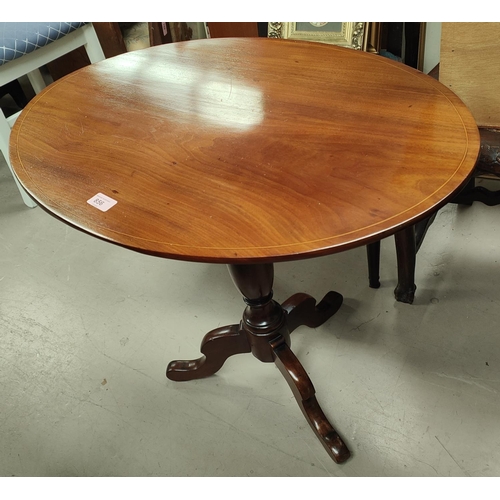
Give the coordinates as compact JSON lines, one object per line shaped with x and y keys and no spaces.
{"x":408,"y":242}
{"x":265,"y":332}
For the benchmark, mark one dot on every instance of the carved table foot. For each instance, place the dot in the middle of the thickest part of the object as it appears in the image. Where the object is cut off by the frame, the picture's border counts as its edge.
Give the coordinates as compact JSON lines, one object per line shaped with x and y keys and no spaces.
{"x":405,"y":294}
{"x":301,"y":309}
{"x":217,"y":346}
{"x":265,"y":331}
{"x":304,"y":393}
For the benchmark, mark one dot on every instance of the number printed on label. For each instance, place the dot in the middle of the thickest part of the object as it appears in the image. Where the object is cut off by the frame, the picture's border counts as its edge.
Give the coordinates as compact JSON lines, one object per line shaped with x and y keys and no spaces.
{"x":102,"y":202}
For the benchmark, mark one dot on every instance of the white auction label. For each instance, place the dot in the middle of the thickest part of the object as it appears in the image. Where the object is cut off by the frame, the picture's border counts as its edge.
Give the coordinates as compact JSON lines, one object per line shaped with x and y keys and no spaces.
{"x":102,"y":202}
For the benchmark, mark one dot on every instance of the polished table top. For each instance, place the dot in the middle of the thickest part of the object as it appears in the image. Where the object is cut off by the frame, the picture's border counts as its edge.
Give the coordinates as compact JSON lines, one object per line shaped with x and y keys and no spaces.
{"x":244,"y":150}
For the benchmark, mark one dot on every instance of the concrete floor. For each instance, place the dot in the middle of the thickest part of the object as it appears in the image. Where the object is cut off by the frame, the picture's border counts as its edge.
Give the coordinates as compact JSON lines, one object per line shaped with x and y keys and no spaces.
{"x":87,"y":329}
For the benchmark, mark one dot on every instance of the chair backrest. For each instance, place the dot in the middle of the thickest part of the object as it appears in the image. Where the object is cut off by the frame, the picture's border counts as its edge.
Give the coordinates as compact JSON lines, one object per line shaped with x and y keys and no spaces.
{"x":470,"y":67}
{"x":19,"y":39}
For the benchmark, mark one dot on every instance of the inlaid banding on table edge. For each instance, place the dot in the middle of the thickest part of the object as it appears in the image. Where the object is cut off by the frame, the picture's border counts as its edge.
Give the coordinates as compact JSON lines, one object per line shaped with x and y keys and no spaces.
{"x":327,"y":242}
{"x":306,"y":245}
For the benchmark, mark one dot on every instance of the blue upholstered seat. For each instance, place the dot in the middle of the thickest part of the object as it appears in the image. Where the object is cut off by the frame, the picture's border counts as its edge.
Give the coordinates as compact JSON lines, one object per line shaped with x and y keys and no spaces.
{"x":18,"y":39}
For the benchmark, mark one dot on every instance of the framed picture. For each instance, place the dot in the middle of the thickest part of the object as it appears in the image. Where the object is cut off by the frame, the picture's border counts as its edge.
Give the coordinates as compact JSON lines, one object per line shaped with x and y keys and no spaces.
{"x":346,"y":34}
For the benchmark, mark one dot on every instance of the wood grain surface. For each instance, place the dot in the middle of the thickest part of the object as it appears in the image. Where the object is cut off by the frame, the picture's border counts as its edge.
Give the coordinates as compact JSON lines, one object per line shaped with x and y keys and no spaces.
{"x":244,"y":150}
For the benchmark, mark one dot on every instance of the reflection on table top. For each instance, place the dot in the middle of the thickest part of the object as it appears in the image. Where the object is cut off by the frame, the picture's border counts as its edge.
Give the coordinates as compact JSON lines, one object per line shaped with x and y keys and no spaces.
{"x":244,"y":150}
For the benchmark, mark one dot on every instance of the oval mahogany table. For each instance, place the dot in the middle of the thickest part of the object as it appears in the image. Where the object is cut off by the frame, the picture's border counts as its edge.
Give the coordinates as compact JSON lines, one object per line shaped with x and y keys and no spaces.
{"x":246,"y":152}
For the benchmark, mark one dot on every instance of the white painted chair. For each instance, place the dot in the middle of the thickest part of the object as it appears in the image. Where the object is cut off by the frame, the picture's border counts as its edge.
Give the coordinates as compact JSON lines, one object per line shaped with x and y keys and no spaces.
{"x":26,"y":47}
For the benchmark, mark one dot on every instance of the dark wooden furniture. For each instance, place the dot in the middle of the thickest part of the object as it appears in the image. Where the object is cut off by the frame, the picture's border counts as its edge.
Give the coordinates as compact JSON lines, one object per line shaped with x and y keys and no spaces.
{"x":408,"y":242}
{"x":246,"y":151}
{"x":487,"y":167}
{"x":227,"y":30}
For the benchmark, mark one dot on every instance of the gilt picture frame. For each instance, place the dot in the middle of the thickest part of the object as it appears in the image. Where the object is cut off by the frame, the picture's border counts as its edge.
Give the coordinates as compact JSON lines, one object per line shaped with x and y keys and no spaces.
{"x":350,"y":35}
